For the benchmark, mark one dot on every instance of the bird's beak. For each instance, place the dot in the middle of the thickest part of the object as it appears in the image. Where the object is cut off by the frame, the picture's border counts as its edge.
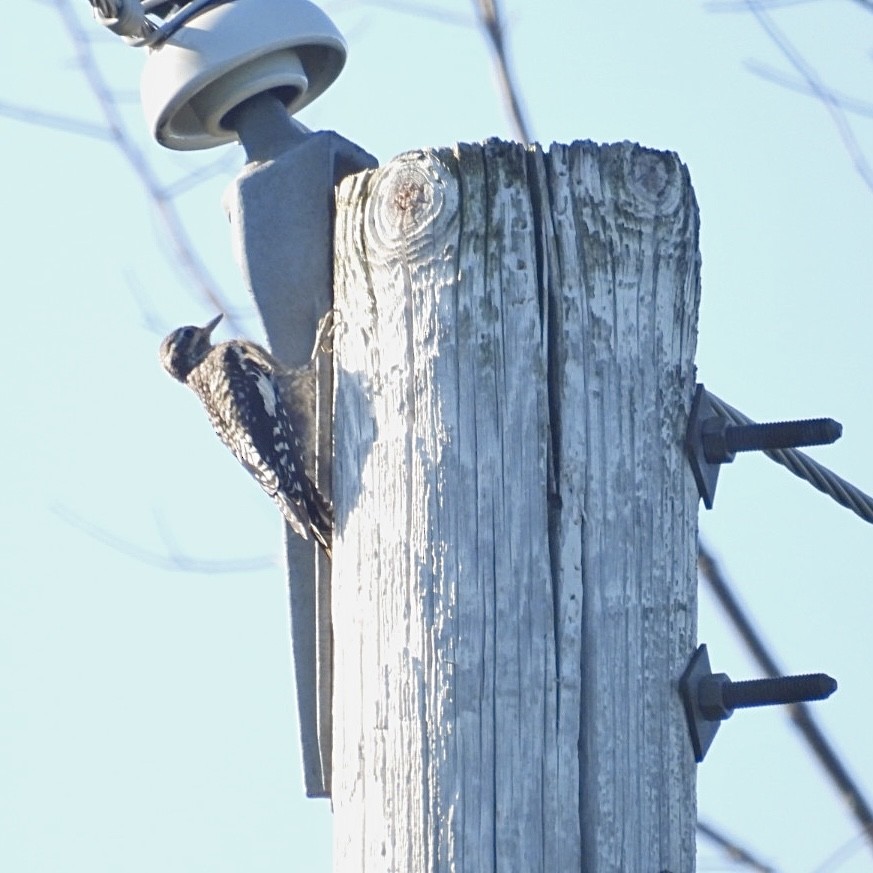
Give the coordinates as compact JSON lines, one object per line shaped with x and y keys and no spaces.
{"x":208,"y":328}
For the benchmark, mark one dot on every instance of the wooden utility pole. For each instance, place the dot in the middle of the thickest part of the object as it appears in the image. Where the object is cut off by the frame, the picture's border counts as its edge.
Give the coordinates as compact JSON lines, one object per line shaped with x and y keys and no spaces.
{"x":514,"y":568}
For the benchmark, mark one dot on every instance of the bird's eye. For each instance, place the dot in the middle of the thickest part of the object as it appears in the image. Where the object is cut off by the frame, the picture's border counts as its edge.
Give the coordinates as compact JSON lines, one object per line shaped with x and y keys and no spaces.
{"x":187,"y":332}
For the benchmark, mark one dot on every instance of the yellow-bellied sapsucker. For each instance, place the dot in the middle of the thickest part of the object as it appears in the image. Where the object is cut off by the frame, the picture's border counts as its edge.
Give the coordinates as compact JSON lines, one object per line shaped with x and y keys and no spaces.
{"x":263,"y":412}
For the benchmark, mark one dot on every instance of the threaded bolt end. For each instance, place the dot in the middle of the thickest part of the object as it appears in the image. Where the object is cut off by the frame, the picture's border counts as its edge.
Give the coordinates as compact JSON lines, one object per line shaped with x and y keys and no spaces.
{"x":784,"y":689}
{"x":782,"y":435}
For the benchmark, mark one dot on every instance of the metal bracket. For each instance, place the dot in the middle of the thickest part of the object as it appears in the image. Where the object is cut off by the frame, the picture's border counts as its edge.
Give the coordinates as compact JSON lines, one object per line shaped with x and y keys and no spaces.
{"x":711,"y":440}
{"x":705,"y":473}
{"x":701,"y":729}
{"x":281,"y":208}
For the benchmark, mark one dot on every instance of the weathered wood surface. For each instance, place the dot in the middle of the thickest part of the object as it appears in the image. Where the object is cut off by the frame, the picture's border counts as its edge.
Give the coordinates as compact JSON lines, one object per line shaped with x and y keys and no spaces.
{"x":514,"y":565}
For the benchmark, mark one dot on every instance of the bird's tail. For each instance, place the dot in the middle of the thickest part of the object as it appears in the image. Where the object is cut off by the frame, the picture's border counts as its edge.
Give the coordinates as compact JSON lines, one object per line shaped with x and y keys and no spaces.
{"x":322,"y":524}
{"x":314,"y":516}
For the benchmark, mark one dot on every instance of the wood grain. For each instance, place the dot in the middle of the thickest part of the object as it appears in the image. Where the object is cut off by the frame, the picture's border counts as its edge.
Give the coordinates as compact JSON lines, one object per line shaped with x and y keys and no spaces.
{"x":514,"y":561}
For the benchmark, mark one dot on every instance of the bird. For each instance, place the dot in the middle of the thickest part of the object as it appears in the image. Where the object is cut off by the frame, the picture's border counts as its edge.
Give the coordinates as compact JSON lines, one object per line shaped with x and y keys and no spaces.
{"x":263,"y":412}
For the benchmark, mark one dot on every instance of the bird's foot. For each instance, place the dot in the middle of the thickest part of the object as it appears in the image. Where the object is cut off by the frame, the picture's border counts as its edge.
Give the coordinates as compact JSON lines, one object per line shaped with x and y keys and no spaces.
{"x":324,"y":334}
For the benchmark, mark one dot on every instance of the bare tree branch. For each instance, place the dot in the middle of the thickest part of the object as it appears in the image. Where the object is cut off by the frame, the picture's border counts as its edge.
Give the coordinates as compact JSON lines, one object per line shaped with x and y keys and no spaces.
{"x":419,"y":10}
{"x":52,"y":121}
{"x":843,"y":853}
{"x":817,"y":88}
{"x":172,"y":559}
{"x":183,"y":248}
{"x":740,"y":5}
{"x":734,"y":852}
{"x":835,"y":768}
{"x":489,"y":20}
{"x":492,"y":26}
{"x":844,"y":101}
{"x":77,"y":127}
{"x":208,"y":171}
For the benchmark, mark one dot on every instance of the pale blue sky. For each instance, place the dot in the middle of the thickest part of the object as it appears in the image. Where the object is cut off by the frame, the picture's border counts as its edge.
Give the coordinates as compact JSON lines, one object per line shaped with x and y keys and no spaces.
{"x":147,"y":715}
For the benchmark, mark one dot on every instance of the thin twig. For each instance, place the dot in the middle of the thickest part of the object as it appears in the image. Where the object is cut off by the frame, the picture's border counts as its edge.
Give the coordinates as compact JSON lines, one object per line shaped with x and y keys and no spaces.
{"x":183,"y":248}
{"x":842,"y":854}
{"x":844,"y":101}
{"x":423,"y":10}
{"x":171,"y":559}
{"x":492,"y":26}
{"x":200,"y":175}
{"x":55,"y":122}
{"x":734,"y":851}
{"x":740,"y":5}
{"x":799,"y":713}
{"x":816,"y":87}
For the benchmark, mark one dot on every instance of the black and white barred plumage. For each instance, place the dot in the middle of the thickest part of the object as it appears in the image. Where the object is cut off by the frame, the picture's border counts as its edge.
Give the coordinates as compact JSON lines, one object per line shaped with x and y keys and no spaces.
{"x":263,"y":412}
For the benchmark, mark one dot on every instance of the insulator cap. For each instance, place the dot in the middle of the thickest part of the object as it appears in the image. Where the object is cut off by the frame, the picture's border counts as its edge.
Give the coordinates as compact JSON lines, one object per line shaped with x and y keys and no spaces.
{"x":229,"y":53}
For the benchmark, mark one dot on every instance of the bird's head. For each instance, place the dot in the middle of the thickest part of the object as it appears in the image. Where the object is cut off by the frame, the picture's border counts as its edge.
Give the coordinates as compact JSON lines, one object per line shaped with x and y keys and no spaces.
{"x":186,"y":347}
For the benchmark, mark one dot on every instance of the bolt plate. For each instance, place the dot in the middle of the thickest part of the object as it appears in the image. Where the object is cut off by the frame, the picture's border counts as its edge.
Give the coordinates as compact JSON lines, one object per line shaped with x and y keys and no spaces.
{"x":701,"y":729}
{"x":705,"y":474}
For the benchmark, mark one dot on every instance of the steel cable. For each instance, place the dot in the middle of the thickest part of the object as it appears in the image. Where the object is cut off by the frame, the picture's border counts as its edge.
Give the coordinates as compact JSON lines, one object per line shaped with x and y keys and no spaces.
{"x":806,"y":468}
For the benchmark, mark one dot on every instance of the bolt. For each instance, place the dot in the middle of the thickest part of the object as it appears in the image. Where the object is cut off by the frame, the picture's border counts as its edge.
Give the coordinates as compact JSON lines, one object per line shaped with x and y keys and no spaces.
{"x":718,"y":697}
{"x":721,"y":441}
{"x":264,"y":127}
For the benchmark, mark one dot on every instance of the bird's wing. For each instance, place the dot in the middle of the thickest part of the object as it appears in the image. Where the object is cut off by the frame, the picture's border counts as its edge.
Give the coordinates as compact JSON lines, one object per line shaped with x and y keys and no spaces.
{"x":262,"y":438}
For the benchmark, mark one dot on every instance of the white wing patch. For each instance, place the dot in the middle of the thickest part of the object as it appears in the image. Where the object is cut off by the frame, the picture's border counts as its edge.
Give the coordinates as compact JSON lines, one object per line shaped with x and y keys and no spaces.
{"x":268,"y":392}
{"x":259,"y":431}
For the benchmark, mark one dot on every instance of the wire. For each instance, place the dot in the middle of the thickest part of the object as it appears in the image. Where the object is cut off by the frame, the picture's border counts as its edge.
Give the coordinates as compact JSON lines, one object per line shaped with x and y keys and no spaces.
{"x":128,"y":19}
{"x":803,"y":466}
{"x":169,"y":27}
{"x":798,"y":712}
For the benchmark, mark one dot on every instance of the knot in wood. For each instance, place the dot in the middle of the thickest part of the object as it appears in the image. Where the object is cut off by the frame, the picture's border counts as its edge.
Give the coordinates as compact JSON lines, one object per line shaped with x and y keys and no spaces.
{"x":413,"y":202}
{"x":655,"y":179}
{"x":409,"y":195}
{"x":650,"y":174}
